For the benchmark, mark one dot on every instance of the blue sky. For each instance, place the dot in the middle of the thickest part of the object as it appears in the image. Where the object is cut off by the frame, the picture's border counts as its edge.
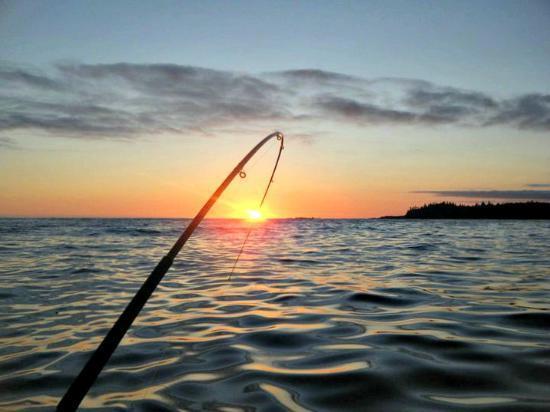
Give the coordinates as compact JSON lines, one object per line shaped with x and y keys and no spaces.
{"x":497,"y":46}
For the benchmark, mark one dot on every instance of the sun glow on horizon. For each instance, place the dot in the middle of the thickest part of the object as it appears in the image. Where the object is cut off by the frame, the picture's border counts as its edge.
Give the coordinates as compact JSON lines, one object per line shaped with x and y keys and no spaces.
{"x":254,"y":215}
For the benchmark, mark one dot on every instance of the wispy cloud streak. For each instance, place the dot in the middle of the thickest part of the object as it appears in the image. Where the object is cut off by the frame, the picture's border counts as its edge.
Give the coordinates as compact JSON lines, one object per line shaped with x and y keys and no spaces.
{"x":124,"y":100}
{"x":7,"y":143}
{"x":491,"y":194}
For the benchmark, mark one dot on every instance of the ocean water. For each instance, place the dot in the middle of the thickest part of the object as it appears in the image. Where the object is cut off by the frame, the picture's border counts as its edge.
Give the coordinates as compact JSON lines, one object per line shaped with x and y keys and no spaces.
{"x":320,"y":315}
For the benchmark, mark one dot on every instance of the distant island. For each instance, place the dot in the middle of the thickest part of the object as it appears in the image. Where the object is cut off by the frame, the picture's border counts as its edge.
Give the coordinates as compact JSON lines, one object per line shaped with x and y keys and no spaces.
{"x":484,"y":210}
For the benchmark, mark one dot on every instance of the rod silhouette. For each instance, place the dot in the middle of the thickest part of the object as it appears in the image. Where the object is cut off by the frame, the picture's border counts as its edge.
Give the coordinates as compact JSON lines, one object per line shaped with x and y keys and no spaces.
{"x":87,"y":376}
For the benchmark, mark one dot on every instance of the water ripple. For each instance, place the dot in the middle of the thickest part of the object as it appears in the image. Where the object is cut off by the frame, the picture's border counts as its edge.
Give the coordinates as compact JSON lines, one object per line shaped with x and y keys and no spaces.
{"x":321,"y":315}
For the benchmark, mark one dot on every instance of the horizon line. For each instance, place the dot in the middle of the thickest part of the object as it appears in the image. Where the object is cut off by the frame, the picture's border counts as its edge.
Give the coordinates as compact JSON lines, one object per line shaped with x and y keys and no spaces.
{"x":178,"y":218}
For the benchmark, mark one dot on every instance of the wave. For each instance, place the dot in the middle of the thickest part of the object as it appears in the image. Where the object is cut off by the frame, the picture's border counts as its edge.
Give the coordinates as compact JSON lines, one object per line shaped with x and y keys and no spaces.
{"x":320,"y":315}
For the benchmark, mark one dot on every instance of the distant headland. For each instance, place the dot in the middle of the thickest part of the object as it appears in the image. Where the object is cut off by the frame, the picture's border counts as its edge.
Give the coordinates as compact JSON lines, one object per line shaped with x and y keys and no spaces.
{"x":484,"y":210}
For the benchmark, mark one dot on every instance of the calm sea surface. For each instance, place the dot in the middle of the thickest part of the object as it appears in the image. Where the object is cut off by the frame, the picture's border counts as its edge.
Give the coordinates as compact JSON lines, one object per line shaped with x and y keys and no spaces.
{"x":320,"y":315}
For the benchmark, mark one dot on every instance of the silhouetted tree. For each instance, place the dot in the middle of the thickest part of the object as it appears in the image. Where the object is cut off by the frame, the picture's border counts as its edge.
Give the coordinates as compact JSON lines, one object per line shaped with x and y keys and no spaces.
{"x":483,"y":210}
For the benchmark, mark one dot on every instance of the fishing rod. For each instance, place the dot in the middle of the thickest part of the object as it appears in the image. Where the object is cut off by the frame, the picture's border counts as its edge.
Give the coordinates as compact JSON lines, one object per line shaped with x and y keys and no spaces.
{"x":87,"y":376}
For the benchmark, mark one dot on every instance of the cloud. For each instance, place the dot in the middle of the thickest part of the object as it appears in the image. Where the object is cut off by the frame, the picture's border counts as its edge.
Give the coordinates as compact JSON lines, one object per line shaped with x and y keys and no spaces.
{"x":531,"y":111}
{"x":316,"y":76}
{"x":170,"y":80}
{"x":122,"y":100}
{"x":449,"y":98}
{"x":353,"y":110}
{"x":19,"y":77}
{"x":492,"y":194}
{"x":125,"y":100}
{"x":424,"y":103}
{"x":7,"y":143}
{"x":538,"y":185}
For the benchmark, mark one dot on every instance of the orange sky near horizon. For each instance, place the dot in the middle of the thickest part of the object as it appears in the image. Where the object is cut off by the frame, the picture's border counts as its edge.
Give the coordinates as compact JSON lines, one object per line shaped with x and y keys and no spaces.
{"x":357,"y":174}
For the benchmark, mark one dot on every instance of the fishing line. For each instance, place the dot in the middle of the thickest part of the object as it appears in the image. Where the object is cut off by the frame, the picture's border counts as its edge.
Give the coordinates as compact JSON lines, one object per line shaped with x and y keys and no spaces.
{"x":235,"y":200}
{"x":269,"y":152}
{"x":248,"y":175}
{"x":281,"y":147}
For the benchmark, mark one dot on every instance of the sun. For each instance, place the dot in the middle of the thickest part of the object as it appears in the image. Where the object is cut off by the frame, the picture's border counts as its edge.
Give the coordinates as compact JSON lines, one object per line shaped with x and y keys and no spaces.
{"x":254,"y":215}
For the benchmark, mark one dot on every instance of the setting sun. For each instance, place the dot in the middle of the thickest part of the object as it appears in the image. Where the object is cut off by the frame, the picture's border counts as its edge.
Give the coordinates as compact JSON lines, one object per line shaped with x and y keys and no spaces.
{"x":254,"y":215}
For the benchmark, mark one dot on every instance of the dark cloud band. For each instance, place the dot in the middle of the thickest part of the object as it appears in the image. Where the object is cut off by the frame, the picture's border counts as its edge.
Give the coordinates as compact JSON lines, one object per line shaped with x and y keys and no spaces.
{"x":492,"y":194}
{"x":123,"y":100}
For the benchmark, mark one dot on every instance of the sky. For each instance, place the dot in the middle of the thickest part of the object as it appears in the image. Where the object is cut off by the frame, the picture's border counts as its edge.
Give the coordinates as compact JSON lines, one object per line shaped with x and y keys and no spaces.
{"x":140,"y":109}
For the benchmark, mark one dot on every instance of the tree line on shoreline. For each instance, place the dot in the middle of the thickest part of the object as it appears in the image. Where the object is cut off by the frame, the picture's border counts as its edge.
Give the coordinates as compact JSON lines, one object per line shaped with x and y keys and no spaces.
{"x":483,"y":210}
